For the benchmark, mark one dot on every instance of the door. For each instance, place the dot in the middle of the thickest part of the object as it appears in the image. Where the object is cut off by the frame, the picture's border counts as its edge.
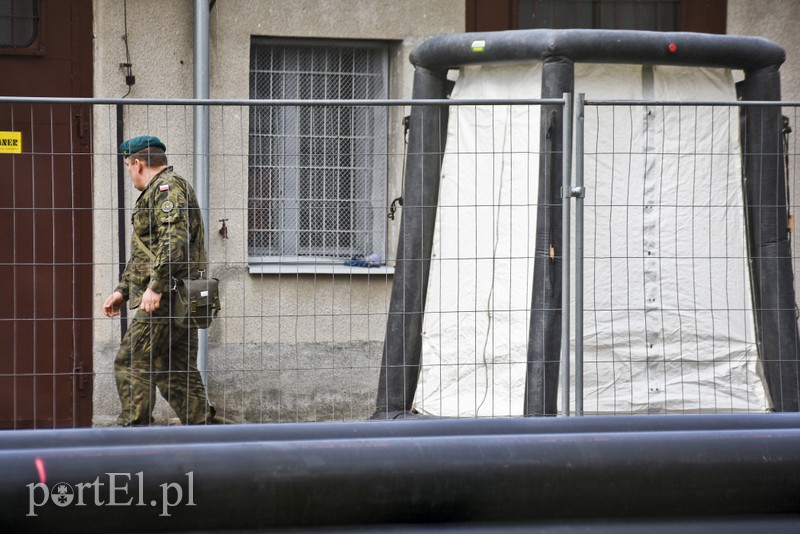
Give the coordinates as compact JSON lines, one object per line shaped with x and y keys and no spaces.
{"x":45,"y":216}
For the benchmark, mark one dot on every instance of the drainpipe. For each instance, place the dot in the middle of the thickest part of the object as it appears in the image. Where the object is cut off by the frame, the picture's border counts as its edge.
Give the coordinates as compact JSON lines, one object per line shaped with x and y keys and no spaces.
{"x":121,"y":218}
{"x":201,"y":166}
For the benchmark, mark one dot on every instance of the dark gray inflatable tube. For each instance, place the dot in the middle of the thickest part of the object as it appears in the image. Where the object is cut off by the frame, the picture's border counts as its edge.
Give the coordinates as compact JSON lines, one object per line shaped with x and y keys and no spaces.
{"x":403,"y":342}
{"x":769,"y":244}
{"x":544,"y":334}
{"x":599,"y":46}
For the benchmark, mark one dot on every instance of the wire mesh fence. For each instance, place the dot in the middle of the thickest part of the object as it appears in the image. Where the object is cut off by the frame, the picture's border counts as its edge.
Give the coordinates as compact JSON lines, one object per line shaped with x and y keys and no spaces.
{"x":692,"y":310}
{"x":303,"y":233}
{"x":669,"y":323}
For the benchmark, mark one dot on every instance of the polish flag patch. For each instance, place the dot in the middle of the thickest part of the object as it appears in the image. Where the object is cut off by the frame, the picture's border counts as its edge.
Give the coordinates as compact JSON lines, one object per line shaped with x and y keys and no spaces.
{"x":163,"y":187}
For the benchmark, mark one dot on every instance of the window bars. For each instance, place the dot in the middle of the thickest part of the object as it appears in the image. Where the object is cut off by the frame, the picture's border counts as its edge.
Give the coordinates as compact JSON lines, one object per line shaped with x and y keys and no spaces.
{"x":317,"y":173}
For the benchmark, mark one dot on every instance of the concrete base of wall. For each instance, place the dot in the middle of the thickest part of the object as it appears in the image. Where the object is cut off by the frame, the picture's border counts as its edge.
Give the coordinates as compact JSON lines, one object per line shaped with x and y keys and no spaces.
{"x":271,"y":382}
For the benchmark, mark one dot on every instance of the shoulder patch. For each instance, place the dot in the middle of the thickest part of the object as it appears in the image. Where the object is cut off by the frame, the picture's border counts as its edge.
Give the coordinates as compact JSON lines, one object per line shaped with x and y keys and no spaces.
{"x":163,"y":187}
{"x":167,"y":206}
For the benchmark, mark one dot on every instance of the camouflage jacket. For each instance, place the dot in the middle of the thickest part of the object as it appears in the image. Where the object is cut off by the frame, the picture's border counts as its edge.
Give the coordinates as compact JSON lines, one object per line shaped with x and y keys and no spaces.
{"x":169,"y":224}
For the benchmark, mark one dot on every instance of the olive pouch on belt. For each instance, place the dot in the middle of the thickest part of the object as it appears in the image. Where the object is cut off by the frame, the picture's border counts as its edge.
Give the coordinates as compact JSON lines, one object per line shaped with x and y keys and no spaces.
{"x":196,"y":301}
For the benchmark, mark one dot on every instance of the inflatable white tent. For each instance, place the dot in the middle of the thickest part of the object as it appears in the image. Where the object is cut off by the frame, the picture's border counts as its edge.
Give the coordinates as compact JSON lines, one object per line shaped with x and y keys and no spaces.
{"x":669,"y":326}
{"x":688,"y":292}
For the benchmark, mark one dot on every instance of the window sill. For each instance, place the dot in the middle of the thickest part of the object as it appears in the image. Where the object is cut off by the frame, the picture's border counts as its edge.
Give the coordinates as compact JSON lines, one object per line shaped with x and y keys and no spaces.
{"x":318,"y":269}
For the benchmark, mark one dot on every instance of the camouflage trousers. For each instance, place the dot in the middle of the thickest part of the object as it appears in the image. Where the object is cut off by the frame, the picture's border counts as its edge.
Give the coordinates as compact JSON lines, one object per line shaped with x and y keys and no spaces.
{"x":155,"y":354}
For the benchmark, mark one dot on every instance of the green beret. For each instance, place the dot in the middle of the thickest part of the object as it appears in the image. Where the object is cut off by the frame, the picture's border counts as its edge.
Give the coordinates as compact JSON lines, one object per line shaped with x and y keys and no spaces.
{"x":137,"y":144}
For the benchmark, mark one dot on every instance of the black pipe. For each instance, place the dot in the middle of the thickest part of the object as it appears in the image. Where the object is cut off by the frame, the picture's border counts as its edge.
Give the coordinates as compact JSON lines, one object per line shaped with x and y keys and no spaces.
{"x":386,"y":481}
{"x":769,"y":240}
{"x":403,"y":343}
{"x":408,"y":428}
{"x":123,"y":260}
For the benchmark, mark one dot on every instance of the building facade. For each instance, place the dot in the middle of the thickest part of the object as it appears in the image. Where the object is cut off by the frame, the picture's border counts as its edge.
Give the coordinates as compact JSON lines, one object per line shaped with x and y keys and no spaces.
{"x":301,"y":333}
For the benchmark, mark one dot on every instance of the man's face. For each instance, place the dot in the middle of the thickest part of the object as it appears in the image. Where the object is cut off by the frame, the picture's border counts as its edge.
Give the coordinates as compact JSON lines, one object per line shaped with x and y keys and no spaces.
{"x":136,"y":172}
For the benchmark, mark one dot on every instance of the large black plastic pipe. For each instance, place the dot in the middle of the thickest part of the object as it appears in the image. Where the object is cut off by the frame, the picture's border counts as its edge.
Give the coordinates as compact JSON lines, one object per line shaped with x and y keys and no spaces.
{"x":403,"y":342}
{"x":774,"y":295}
{"x":408,"y":428}
{"x":500,"y":479}
{"x":769,"y":243}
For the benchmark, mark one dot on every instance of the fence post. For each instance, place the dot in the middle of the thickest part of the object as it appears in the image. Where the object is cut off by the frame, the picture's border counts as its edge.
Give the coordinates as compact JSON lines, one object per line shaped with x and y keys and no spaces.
{"x":566,"y":195}
{"x":579,"y":193}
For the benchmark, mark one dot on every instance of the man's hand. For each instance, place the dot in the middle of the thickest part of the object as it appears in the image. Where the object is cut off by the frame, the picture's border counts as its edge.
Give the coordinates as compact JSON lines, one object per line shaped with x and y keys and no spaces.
{"x":113,"y":304}
{"x":151,"y":301}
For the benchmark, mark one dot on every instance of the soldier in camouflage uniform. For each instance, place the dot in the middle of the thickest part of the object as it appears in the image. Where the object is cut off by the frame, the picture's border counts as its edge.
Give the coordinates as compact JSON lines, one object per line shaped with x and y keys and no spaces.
{"x":155,"y":351}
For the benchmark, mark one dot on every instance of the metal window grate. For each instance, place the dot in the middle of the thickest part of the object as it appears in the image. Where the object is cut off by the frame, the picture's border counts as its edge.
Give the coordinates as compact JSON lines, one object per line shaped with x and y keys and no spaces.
{"x":317,"y":173}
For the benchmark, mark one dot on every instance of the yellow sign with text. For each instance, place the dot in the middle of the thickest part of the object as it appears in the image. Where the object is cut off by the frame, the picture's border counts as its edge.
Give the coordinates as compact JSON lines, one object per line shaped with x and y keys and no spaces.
{"x":10,"y":142}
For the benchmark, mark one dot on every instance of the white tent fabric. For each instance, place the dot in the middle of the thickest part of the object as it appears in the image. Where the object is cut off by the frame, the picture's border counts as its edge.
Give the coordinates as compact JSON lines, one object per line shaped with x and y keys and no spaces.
{"x":475,"y":326}
{"x":668,"y":322}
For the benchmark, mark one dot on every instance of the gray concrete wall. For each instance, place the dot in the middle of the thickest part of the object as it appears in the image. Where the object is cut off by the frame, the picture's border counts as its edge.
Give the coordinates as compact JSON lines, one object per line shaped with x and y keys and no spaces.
{"x":288,"y":346}
{"x":776,"y":20}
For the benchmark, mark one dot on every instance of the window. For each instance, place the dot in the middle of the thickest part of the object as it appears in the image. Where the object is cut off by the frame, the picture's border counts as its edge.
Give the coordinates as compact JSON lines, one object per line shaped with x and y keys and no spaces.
{"x":19,"y":24}
{"x":656,"y":15}
{"x":317,"y":173}
{"x":706,"y":16}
